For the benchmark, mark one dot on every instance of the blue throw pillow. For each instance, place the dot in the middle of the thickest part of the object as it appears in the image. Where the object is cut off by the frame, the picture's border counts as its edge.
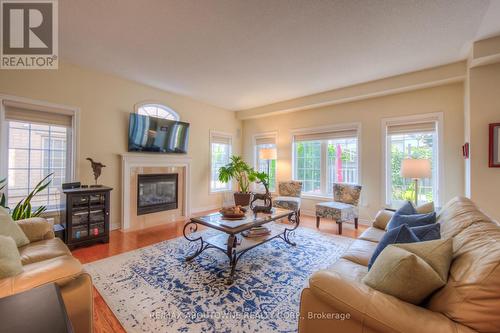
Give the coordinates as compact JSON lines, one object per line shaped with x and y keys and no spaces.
{"x":415,"y":220}
{"x":401,"y":234}
{"x":407,"y":209}
{"x":427,"y":232}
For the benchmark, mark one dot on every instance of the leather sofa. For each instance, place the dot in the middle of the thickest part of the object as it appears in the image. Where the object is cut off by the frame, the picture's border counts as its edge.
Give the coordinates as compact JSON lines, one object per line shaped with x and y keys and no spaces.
{"x":47,"y":259}
{"x":336,"y":299}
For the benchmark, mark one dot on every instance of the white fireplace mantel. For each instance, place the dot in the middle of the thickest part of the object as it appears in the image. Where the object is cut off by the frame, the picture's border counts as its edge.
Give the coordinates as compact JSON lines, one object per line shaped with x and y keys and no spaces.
{"x":138,"y":160}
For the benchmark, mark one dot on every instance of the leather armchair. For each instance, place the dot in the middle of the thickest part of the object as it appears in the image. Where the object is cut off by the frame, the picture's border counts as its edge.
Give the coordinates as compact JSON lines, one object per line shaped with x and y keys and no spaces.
{"x":47,"y":259}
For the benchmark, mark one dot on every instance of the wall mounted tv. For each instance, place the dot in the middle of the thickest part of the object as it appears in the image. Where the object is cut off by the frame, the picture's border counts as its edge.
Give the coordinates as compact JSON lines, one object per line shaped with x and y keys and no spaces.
{"x":150,"y":134}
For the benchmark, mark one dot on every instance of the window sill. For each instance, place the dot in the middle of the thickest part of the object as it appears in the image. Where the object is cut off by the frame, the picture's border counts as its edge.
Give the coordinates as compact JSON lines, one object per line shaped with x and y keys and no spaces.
{"x":319,"y":197}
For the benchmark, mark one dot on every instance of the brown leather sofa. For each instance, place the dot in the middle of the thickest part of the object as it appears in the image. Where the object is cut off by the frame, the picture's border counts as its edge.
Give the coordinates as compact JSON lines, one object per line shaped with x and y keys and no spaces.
{"x":338,"y":301}
{"x":46,"y":259}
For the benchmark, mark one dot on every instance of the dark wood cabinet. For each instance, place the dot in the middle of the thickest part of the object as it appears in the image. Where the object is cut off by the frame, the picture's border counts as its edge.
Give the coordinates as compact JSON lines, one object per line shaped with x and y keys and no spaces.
{"x":86,"y":217}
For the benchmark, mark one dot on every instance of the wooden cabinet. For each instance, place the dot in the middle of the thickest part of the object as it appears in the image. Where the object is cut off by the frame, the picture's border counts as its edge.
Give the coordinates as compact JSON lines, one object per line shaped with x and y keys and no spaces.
{"x":86,"y":217}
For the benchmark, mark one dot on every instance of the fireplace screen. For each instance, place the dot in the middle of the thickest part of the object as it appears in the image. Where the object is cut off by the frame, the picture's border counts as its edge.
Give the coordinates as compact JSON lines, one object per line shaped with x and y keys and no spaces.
{"x":156,"y":193}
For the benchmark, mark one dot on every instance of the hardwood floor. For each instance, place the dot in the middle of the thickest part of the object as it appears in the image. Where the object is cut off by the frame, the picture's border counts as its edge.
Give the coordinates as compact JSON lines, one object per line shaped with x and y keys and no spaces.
{"x":104,"y":319}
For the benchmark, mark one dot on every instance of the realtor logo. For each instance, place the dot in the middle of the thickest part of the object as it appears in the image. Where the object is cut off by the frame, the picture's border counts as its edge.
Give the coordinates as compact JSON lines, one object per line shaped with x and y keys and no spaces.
{"x":29,"y":34}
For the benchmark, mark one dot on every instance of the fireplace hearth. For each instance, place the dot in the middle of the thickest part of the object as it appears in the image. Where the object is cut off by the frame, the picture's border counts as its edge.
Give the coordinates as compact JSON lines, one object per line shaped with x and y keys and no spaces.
{"x":156,"y":193}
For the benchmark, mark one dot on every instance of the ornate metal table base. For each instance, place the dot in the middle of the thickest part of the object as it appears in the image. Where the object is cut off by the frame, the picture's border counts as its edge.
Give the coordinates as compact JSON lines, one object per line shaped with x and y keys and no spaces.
{"x":233,"y":249}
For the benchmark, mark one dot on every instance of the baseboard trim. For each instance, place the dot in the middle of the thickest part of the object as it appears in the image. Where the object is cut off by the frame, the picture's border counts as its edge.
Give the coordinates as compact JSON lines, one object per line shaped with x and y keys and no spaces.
{"x":204,"y":209}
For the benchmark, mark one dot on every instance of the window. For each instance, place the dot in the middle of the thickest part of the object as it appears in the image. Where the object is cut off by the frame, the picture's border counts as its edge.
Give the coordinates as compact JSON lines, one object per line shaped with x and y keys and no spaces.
{"x":39,"y":143}
{"x":411,"y":140}
{"x":158,"y":111}
{"x":220,"y":151}
{"x":321,"y":159}
{"x":266,"y":142}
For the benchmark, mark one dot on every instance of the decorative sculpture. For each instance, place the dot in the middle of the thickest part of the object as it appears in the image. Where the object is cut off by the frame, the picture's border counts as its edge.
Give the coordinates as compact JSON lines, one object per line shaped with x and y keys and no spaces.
{"x":96,"y":169}
{"x":266,"y":197}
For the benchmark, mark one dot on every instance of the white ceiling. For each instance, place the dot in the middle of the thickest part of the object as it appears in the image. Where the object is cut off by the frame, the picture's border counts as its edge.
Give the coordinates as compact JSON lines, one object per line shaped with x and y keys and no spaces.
{"x":239,"y":54}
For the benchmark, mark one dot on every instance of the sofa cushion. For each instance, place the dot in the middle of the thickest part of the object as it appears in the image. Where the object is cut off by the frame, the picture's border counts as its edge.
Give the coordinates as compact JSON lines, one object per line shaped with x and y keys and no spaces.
{"x":415,"y":220}
{"x":401,"y":234}
{"x":425,"y":208}
{"x":10,"y":261}
{"x":36,"y":228}
{"x":458,"y":214}
{"x":360,"y":252}
{"x":411,"y":272}
{"x":472,"y":294}
{"x":372,"y":234}
{"x":43,"y":250}
{"x":427,"y":232}
{"x":348,"y":270}
{"x":9,"y":228}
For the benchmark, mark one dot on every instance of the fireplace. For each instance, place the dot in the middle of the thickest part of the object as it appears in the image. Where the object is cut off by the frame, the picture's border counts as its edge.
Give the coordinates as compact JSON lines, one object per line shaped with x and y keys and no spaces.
{"x":156,"y":193}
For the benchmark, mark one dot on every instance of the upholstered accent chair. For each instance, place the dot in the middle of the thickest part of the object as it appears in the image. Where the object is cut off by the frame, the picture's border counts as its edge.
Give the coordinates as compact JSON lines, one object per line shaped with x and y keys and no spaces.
{"x":289,"y":196}
{"x":344,"y":206}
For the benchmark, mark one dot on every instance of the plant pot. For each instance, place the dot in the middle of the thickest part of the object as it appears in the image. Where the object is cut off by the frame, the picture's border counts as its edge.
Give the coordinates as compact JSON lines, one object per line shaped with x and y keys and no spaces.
{"x":242,"y":199}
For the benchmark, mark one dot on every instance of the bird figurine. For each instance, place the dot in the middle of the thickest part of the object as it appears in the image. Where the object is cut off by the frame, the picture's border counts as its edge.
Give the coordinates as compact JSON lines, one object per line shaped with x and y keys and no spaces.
{"x":96,"y":169}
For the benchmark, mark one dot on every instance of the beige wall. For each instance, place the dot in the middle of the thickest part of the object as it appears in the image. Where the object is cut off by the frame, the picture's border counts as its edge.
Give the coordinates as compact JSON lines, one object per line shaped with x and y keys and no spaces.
{"x":484,"y":109}
{"x":448,"y":99}
{"x":105,"y":102}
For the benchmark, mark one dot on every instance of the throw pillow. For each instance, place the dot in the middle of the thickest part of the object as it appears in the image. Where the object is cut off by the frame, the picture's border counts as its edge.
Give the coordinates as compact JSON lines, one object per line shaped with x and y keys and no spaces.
{"x":407,"y":209}
{"x":415,"y":220}
{"x":10,"y":260}
{"x":426,"y":208}
{"x":10,"y":228}
{"x":427,"y":232}
{"x":411,"y":272}
{"x":401,"y":234}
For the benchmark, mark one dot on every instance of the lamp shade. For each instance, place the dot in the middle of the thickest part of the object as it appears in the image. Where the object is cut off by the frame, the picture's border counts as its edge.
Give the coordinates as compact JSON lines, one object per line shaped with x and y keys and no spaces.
{"x":267,"y":154}
{"x":416,"y":168}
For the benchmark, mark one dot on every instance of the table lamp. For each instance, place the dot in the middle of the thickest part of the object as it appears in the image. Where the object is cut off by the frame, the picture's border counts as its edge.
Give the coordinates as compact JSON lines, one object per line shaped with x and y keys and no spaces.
{"x":268,"y":154}
{"x":416,"y":169}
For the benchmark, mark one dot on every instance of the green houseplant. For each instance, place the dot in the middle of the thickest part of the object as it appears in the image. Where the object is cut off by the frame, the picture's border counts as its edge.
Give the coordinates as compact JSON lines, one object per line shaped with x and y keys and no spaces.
{"x":244,"y":175}
{"x":23,"y":209}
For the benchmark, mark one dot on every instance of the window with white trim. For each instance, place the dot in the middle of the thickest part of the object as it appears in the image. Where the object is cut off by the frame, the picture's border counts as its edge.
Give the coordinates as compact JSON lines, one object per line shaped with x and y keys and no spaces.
{"x":321,"y":159}
{"x":158,"y":111}
{"x":220,"y":153}
{"x":261,"y":165}
{"x":39,"y":143}
{"x":417,"y":140}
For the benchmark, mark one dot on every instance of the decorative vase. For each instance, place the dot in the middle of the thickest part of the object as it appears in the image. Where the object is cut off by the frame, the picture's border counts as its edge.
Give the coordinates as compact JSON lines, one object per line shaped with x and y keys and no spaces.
{"x":242,"y":199}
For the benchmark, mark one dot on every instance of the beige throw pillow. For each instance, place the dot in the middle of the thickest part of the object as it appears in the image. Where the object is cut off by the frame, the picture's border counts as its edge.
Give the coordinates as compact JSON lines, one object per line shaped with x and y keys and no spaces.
{"x":426,"y":208}
{"x":10,"y":228}
{"x":412,"y":271}
{"x":10,"y":260}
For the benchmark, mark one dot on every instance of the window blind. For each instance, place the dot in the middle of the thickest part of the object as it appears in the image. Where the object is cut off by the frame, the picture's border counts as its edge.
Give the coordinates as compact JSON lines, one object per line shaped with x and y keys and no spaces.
{"x":225,"y":140}
{"x":329,"y":135}
{"x":24,"y":112}
{"x":428,"y":126}
{"x":268,"y":140}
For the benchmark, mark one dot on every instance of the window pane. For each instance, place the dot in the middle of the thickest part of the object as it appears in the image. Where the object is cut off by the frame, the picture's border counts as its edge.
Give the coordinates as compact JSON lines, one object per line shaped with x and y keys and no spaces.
{"x":220,"y":157}
{"x":342,"y":162}
{"x":262,"y":167}
{"x":411,"y":145}
{"x":43,"y":152}
{"x":20,"y":137}
{"x":308,"y":165}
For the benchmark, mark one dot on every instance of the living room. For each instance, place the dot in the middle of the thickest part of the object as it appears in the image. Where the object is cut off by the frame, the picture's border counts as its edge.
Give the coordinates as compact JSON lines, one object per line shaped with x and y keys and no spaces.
{"x":234,"y":166}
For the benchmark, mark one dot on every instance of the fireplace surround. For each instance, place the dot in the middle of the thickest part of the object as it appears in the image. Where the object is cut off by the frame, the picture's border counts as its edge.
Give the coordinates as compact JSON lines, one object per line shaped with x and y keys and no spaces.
{"x":156,"y":192}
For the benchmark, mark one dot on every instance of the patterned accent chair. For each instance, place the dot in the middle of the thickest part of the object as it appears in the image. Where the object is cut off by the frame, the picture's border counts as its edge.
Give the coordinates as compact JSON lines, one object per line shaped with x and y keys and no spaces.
{"x":344,"y":206}
{"x":289,"y":196}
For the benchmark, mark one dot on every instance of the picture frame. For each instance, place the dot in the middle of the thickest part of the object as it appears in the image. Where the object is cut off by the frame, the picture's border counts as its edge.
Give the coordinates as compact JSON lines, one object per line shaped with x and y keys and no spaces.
{"x":494,"y":145}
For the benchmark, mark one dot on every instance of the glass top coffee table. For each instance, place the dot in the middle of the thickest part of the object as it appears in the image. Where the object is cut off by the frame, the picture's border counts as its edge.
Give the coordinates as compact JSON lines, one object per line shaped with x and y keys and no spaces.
{"x":230,"y":240}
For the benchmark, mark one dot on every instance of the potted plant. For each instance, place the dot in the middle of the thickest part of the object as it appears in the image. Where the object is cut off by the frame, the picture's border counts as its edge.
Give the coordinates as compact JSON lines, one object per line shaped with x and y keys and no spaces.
{"x":243,"y":174}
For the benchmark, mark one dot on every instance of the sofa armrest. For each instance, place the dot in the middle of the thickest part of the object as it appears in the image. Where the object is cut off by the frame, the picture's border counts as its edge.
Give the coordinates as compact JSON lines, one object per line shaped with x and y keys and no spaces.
{"x":375,"y":310}
{"x":382,"y":218}
{"x":36,"y":228}
{"x":60,"y":270}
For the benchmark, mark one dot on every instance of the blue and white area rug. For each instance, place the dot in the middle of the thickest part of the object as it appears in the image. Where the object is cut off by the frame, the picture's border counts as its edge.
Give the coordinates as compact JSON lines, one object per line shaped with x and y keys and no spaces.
{"x":153,"y":289}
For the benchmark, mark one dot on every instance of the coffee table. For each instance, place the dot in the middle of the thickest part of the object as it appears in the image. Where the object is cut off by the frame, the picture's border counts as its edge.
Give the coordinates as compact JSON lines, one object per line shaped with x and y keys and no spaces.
{"x":231,"y":242}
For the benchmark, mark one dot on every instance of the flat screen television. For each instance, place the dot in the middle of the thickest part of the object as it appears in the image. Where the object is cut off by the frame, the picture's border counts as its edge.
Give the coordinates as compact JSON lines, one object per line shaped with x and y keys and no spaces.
{"x":150,"y":134}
